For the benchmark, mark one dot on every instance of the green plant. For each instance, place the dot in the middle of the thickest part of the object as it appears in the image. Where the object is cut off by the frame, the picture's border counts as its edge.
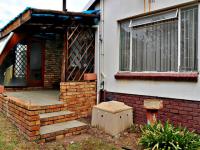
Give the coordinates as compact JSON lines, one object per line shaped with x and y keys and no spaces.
{"x":168,"y":137}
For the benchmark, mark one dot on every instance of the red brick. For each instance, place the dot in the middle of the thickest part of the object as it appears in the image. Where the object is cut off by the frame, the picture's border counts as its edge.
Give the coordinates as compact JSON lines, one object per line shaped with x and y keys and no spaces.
{"x":179,"y":111}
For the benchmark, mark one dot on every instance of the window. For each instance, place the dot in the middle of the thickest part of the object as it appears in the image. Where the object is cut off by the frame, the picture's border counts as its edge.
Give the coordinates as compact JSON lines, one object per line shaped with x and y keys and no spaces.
{"x":151,"y":43}
{"x":125,"y":47}
{"x":189,"y":39}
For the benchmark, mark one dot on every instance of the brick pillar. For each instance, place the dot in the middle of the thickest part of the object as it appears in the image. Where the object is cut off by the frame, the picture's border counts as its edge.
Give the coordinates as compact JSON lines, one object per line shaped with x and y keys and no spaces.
{"x":79,"y":97}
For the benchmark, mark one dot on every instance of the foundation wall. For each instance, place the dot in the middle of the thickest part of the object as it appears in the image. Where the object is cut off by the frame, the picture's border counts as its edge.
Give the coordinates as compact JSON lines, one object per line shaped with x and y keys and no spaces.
{"x":178,"y":111}
{"x":79,"y":97}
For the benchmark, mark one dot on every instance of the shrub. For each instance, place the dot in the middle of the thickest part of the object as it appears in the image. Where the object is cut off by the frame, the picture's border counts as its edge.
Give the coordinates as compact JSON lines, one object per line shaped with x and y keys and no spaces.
{"x":168,"y":137}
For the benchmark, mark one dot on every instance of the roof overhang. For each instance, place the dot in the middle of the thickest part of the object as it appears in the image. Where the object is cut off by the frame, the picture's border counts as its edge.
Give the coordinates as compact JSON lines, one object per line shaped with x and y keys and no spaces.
{"x":4,"y":41}
{"x":39,"y":19}
{"x":90,"y":4}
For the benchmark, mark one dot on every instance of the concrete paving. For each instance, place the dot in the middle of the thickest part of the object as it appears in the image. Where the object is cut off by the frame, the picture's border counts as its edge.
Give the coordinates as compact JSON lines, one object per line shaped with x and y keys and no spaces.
{"x":55,"y":114}
{"x":39,"y":97}
{"x":60,"y":127}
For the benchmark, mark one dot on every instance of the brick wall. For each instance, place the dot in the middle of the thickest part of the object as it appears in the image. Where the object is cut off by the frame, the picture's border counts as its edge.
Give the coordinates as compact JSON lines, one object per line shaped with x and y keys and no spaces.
{"x":53,"y":58}
{"x":25,"y":118}
{"x":79,"y":97}
{"x":184,"y":112}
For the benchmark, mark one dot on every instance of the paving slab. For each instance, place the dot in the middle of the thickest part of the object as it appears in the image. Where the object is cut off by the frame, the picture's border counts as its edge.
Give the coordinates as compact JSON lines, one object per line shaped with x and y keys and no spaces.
{"x":61,"y":126}
{"x":55,"y":114}
{"x":38,"y":97}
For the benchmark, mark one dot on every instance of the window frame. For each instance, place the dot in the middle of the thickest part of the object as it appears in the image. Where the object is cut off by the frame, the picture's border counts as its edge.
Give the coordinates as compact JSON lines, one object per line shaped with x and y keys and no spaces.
{"x":179,"y":10}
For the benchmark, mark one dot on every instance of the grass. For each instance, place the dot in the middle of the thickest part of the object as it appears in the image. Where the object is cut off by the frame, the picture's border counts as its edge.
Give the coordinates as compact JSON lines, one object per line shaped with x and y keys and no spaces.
{"x":11,"y":139}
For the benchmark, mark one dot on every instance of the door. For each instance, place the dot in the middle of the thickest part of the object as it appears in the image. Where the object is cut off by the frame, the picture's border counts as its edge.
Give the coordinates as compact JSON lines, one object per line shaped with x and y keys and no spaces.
{"x":35,"y":64}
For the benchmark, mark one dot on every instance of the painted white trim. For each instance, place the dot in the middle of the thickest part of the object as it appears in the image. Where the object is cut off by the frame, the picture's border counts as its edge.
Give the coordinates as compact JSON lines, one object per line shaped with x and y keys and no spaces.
{"x":102,"y":56}
{"x":97,"y":65}
{"x":198,"y":52}
{"x":179,"y":40}
{"x":131,"y":51}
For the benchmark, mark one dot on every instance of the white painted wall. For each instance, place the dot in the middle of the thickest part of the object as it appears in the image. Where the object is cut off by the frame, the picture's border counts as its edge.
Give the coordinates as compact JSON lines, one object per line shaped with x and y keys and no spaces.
{"x":119,"y":9}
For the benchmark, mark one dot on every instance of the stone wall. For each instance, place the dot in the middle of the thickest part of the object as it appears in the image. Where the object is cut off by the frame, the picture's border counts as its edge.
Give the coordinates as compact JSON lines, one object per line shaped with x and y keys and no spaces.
{"x":53,"y":59}
{"x":177,"y":111}
{"x":79,"y":97}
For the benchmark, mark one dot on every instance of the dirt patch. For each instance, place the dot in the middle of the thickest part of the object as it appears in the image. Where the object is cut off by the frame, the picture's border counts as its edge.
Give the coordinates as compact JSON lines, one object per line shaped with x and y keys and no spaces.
{"x":126,"y":140}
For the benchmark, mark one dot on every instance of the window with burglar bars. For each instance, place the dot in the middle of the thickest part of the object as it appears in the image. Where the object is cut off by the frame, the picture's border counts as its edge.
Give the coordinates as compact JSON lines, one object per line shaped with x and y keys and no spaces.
{"x":151,"y":43}
{"x":20,"y":61}
{"x":81,"y":48}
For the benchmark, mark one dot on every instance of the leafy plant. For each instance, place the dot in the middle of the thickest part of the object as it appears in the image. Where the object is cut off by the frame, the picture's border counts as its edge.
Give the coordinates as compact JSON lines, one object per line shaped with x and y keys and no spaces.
{"x":168,"y":137}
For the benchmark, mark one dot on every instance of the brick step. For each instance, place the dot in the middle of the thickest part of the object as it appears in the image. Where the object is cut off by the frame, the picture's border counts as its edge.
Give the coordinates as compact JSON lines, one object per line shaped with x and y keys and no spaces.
{"x":52,"y":108}
{"x":60,"y":130}
{"x":56,"y":117}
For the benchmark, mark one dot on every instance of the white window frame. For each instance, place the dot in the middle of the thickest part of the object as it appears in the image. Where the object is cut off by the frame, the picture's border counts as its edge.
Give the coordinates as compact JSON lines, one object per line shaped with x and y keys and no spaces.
{"x":179,"y":41}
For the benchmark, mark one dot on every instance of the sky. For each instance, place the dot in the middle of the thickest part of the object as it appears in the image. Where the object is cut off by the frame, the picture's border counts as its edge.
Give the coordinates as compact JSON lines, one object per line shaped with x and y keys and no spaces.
{"x":11,"y":8}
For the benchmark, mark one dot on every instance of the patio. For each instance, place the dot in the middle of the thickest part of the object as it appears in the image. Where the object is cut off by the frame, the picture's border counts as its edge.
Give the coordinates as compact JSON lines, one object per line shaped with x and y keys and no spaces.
{"x":39,"y":115}
{"x":37,"y":97}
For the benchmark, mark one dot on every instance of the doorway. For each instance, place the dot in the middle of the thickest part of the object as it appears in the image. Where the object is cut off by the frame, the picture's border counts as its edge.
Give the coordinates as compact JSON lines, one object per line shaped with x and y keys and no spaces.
{"x":35,"y":71}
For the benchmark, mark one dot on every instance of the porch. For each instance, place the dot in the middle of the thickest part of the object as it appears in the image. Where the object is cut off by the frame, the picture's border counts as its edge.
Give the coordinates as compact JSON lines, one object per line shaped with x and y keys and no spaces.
{"x":41,"y":48}
{"x":48,"y":50}
{"x":36,"y":97}
{"x":39,"y":115}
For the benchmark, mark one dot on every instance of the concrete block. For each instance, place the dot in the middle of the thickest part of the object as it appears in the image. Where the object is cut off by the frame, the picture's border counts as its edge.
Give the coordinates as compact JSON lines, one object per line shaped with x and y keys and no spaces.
{"x":153,"y":104}
{"x":113,"y":117}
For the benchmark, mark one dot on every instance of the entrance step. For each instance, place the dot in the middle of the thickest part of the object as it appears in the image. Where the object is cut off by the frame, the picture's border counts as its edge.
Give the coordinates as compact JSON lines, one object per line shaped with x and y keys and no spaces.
{"x":56,"y":117}
{"x":60,"y":130}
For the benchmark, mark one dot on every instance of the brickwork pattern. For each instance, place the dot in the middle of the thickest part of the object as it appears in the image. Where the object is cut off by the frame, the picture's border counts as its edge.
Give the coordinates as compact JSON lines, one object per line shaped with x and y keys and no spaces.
{"x":61,"y":134}
{"x":53,"y":57}
{"x":179,"y":112}
{"x":79,"y":97}
{"x":58,"y":119}
{"x":26,"y":116}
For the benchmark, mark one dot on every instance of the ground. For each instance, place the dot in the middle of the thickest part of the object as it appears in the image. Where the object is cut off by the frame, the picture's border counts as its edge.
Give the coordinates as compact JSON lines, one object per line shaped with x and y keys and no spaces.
{"x":94,"y":139}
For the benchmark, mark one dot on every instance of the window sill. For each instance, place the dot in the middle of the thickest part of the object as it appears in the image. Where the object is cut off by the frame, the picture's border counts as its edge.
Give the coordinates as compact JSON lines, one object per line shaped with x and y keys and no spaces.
{"x":189,"y":77}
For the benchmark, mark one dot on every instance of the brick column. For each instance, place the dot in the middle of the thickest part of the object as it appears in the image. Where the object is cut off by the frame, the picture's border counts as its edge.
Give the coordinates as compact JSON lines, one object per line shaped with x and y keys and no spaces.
{"x":79,"y":97}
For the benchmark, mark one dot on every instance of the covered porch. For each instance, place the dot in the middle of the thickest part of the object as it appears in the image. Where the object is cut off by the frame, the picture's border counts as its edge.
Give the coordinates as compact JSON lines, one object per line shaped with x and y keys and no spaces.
{"x":43,"y":60}
{"x":41,"y":48}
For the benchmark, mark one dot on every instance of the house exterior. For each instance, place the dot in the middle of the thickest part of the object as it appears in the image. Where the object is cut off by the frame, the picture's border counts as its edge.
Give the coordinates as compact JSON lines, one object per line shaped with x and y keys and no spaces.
{"x":47,"y":58}
{"x":150,"y":49}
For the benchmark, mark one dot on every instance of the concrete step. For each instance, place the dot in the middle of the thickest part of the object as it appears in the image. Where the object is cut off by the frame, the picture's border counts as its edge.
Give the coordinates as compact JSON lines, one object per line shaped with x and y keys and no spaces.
{"x":56,"y":117}
{"x":60,"y":130}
